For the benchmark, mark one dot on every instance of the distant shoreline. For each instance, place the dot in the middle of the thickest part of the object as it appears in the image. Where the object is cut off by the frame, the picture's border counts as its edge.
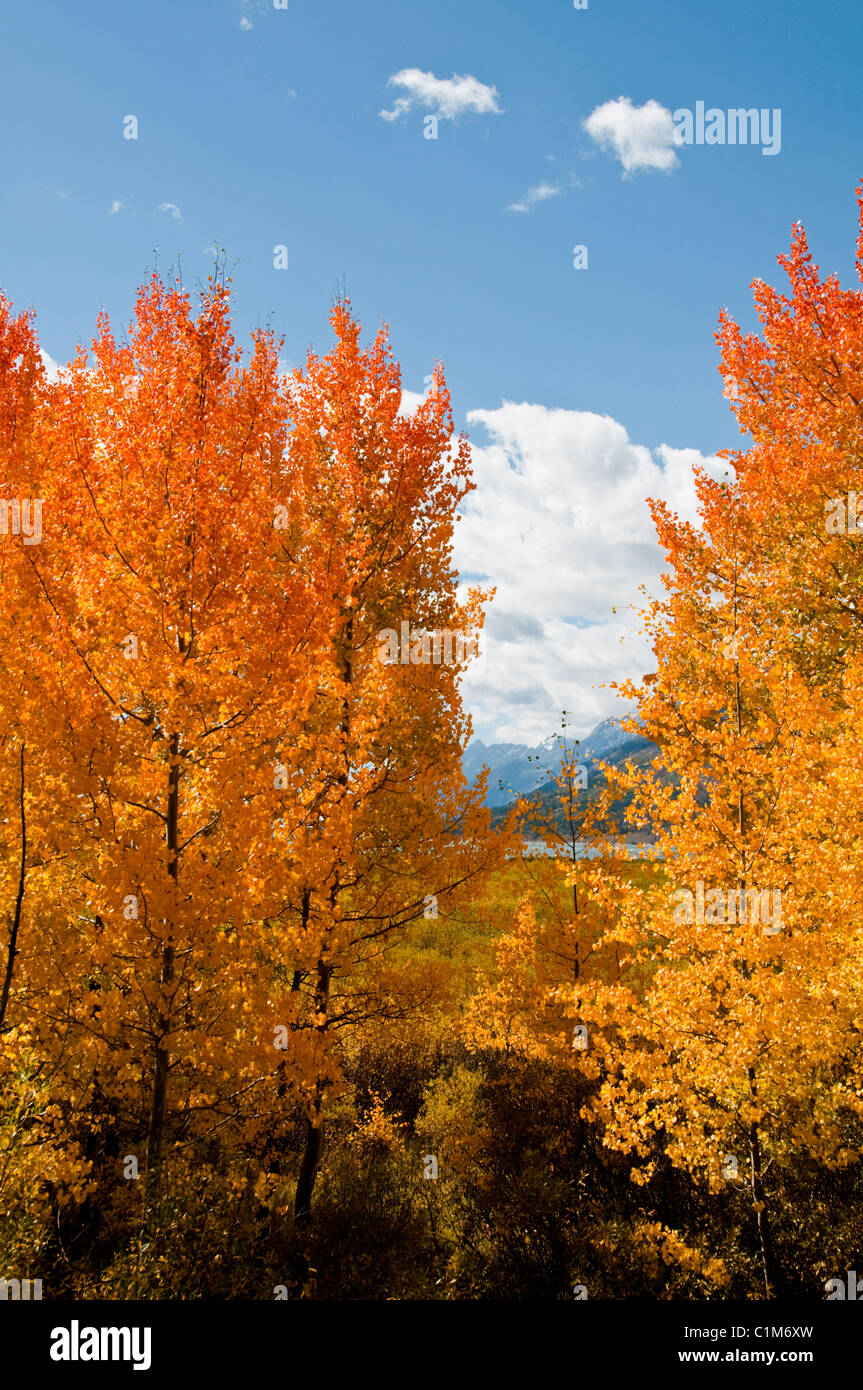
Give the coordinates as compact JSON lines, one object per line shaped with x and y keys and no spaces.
{"x":629,"y":849}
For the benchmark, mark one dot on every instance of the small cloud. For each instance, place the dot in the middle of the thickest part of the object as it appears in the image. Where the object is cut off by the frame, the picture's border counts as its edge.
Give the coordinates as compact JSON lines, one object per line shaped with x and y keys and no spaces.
{"x":253,"y":7}
{"x":641,"y":137}
{"x":172,"y":209}
{"x":62,"y":193}
{"x":448,"y":97}
{"x":118,"y":205}
{"x":535,"y":195}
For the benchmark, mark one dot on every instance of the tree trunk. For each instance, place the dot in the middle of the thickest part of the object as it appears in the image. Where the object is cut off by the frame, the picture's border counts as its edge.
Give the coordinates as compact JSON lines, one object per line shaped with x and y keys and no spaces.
{"x":12,"y":951}
{"x":159,"y":1105}
{"x":315,"y":1123}
{"x":769,"y":1263}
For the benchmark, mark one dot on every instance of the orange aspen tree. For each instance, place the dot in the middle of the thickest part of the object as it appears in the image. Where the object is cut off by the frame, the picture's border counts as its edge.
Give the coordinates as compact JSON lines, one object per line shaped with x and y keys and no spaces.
{"x":185,"y":651}
{"x":797,"y":390}
{"x":730,"y":1043}
{"x":29,"y":851}
{"x":747,"y":1040}
{"x":35,"y":860}
{"x":393,"y":830}
{"x":21,"y":374}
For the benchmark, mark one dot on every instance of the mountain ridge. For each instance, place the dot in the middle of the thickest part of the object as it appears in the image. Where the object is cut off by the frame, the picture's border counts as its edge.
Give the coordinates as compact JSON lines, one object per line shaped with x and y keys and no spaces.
{"x":516,"y":769}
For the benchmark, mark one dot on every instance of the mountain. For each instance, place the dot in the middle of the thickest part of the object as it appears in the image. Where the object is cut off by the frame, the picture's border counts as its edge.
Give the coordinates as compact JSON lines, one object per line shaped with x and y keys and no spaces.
{"x":514,"y":768}
{"x":518,"y":768}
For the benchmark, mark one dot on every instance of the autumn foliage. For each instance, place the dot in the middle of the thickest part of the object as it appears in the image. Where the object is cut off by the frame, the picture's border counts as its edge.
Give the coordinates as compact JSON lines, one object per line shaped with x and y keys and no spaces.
{"x":263,"y":958}
{"x":223,"y":810}
{"x":718,"y":1015}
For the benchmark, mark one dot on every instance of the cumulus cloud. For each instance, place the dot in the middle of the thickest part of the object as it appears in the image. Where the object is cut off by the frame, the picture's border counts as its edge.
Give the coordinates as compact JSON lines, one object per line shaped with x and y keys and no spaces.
{"x":172,"y":209}
{"x":560,"y":526}
{"x":641,"y":137}
{"x":447,"y":97}
{"x":535,"y":195}
{"x":411,"y":400}
{"x":118,"y":205}
{"x":52,"y":368}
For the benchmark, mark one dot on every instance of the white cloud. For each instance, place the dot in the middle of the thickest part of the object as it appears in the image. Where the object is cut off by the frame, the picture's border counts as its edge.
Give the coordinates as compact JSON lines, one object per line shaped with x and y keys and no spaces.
{"x":560,"y":526}
{"x":253,"y":7}
{"x":448,"y":97}
{"x":172,"y":209}
{"x":411,"y":401}
{"x":641,"y":137}
{"x":118,"y":205}
{"x":52,"y":368}
{"x":535,"y":195}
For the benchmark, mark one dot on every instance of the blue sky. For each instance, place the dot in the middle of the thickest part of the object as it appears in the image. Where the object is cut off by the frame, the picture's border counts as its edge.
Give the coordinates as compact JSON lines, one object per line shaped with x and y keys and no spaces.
{"x":259,"y":127}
